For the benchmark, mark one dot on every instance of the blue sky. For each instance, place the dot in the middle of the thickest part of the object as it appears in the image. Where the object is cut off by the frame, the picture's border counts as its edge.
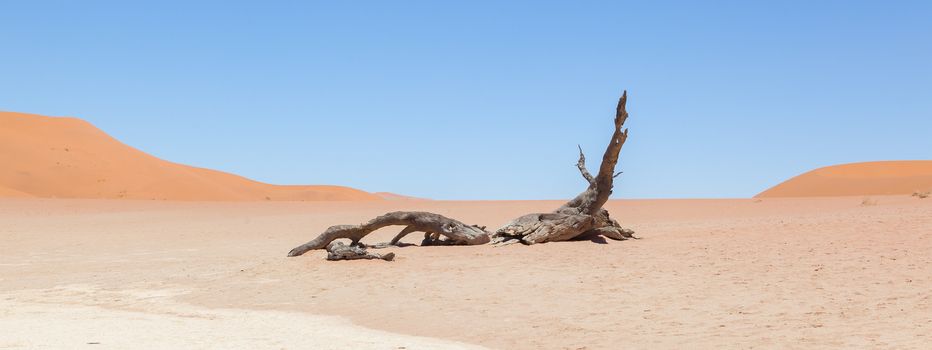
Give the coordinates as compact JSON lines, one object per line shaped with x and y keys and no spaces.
{"x":485,"y":100}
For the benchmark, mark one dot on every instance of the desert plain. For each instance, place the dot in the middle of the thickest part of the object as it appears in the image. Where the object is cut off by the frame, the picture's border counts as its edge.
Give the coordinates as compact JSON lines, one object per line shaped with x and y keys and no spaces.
{"x":103,"y":246}
{"x":829,"y":272}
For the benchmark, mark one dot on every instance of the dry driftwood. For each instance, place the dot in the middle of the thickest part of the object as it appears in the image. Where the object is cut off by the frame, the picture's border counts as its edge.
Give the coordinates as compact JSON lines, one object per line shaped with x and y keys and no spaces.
{"x":340,"y":251}
{"x":581,"y":216}
{"x":433,"y":225}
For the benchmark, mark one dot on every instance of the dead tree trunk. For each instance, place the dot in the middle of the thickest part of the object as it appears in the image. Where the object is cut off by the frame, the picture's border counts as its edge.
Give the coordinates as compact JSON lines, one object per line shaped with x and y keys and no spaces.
{"x":434,"y":225}
{"x":581,"y":216}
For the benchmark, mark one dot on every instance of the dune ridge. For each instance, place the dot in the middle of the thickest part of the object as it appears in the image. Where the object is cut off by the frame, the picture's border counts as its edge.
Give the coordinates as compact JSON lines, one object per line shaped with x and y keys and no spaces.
{"x":858,"y":179}
{"x":64,"y":157}
{"x":389,"y":196}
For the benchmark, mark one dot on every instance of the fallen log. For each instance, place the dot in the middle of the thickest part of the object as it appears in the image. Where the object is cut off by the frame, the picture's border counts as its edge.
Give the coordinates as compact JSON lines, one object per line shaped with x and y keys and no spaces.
{"x":434,"y":225}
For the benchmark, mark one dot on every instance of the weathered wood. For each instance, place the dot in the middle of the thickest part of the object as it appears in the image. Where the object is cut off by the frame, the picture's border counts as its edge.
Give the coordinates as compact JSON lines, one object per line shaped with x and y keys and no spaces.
{"x":590,"y":201}
{"x":583,"y":215}
{"x":546,"y":227}
{"x":456,"y":232}
{"x":340,"y":251}
{"x":608,"y":227}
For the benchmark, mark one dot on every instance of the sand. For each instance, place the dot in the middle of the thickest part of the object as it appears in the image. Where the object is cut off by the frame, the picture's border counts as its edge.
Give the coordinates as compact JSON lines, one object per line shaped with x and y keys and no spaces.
{"x":745,"y":273}
{"x":11,"y":193}
{"x":397,"y":197}
{"x":858,"y":179}
{"x":56,"y":323}
{"x":53,"y":157}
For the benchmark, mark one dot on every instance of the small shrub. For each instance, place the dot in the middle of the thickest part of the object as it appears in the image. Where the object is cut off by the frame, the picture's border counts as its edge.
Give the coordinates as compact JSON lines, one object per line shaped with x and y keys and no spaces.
{"x":922,"y":195}
{"x":867,"y":201}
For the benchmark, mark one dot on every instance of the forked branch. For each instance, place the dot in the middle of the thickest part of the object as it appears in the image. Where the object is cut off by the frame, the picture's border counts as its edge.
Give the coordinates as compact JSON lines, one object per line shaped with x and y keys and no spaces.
{"x":581,"y":164}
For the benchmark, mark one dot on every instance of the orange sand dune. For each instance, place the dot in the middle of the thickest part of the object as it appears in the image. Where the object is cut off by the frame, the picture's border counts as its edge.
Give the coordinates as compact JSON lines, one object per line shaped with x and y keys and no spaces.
{"x":858,"y":179}
{"x":9,"y":192}
{"x":397,"y":197}
{"x":70,"y":158}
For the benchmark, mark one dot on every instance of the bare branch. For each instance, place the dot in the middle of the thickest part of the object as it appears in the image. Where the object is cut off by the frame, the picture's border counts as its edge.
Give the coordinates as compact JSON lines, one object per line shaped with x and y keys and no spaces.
{"x":581,"y":164}
{"x":605,"y":179}
{"x":402,"y":234}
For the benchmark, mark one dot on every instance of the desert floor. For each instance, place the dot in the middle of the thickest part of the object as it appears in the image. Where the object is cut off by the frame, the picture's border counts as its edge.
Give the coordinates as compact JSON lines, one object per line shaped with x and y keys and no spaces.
{"x":738,"y":273}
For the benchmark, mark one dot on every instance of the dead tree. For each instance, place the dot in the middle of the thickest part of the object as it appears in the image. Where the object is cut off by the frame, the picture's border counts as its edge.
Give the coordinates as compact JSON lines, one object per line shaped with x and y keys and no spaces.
{"x":581,"y":216}
{"x":434,"y":225}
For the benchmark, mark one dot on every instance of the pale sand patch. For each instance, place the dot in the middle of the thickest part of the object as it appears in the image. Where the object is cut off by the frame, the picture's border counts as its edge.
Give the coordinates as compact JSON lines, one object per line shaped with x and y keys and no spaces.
{"x":54,"y":321}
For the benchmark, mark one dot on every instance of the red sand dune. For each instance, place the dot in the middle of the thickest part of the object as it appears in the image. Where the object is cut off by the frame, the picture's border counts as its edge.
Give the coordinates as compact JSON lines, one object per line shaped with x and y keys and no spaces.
{"x":858,"y":179}
{"x":70,"y":158}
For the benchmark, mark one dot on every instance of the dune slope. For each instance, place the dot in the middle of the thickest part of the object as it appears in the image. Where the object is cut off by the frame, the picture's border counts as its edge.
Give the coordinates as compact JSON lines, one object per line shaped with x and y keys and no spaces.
{"x":858,"y":179}
{"x":9,"y":192}
{"x":397,"y":197}
{"x":69,"y":158}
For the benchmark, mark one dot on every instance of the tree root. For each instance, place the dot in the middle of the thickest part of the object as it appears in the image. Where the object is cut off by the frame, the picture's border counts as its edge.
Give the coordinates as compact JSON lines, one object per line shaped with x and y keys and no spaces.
{"x":554,"y":227}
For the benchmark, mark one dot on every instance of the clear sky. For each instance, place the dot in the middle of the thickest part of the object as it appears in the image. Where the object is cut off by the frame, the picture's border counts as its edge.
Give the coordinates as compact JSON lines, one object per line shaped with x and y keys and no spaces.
{"x":485,"y":99}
